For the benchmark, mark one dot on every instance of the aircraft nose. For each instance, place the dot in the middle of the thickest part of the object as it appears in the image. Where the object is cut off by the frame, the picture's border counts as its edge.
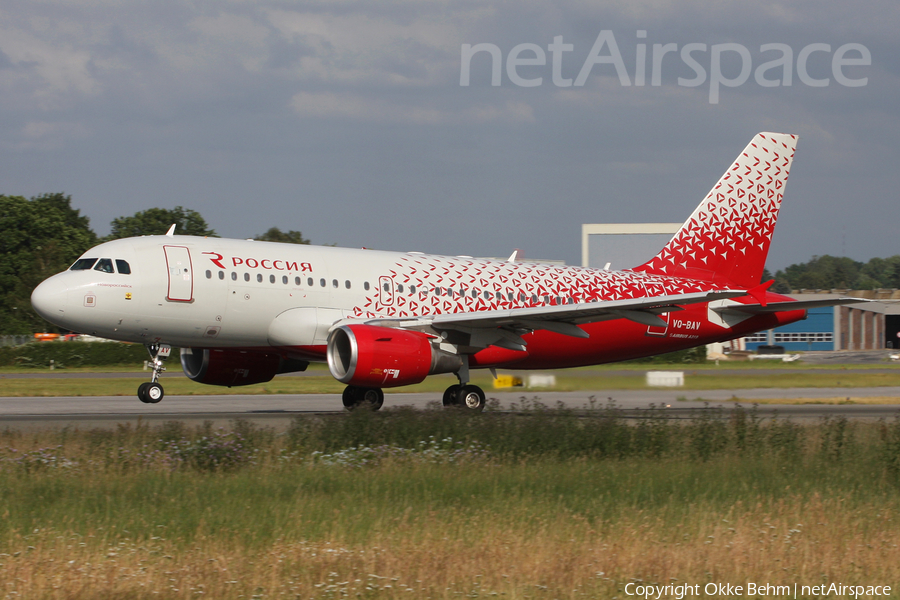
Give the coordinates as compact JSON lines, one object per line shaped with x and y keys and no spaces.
{"x":49,"y":299}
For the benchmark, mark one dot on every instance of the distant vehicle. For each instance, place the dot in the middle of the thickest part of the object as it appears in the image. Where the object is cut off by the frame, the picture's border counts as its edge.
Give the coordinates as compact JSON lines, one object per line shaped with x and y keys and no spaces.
{"x":46,"y":337}
{"x":243,"y":311}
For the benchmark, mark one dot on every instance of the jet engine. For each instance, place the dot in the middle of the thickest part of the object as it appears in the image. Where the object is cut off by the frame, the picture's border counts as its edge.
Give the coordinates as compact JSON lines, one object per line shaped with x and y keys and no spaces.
{"x":380,"y":357}
{"x":235,"y":367}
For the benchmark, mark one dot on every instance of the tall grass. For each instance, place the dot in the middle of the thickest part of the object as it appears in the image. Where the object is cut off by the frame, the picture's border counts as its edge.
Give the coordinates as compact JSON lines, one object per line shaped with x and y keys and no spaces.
{"x":415,"y":504}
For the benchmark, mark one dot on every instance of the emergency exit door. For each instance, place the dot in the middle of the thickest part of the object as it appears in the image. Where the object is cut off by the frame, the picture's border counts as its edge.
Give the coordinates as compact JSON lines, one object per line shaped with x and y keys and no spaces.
{"x":181,"y":277}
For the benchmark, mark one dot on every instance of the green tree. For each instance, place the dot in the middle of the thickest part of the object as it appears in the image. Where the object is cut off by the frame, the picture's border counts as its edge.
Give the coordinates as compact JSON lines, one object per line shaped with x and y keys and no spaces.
{"x":781,"y":285}
{"x":156,"y":221}
{"x":38,"y":238}
{"x":823,"y":272}
{"x":276,"y":235}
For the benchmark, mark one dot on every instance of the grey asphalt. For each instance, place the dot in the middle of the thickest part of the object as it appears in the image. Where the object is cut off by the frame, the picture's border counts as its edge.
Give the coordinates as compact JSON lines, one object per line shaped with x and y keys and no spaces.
{"x":279,"y":410}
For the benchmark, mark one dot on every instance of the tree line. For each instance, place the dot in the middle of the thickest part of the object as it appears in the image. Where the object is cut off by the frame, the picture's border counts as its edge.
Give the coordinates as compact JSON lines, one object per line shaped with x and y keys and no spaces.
{"x":43,"y":235}
{"x":838,"y":272}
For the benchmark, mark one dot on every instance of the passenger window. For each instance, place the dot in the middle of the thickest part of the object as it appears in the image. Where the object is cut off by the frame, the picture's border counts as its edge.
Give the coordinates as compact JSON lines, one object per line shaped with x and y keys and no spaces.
{"x":366,"y":286}
{"x":400,"y":288}
{"x":234,"y":275}
{"x":347,"y":284}
{"x":474,"y":293}
{"x":412,"y":289}
{"x":487,"y":295}
{"x":259,"y":278}
{"x":105,"y":265}
{"x":123,"y":267}
{"x":309,"y":281}
{"x":246,"y":276}
{"x":221,"y":274}
{"x":296,"y":281}
{"x":322,"y":282}
{"x":284,"y":279}
{"x":271,"y":279}
{"x":334,"y":283}
{"x":83,"y":264}
{"x":208,"y":274}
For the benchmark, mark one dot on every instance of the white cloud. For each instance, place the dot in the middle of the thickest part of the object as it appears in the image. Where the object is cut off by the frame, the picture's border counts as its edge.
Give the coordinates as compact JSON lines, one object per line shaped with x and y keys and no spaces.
{"x":56,"y":68}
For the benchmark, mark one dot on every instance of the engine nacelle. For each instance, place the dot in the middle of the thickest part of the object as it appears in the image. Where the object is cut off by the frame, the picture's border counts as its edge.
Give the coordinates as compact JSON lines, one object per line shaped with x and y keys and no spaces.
{"x":371,"y":356}
{"x":235,"y":367}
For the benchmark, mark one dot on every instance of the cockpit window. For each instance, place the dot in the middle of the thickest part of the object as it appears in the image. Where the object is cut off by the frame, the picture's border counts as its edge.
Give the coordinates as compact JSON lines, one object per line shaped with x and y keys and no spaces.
{"x":124,"y":268}
{"x":83,"y":264}
{"x":105,"y":265}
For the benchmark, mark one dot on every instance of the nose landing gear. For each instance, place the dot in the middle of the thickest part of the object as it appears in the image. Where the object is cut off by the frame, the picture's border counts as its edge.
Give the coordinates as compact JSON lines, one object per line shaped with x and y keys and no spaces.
{"x":152,"y":392}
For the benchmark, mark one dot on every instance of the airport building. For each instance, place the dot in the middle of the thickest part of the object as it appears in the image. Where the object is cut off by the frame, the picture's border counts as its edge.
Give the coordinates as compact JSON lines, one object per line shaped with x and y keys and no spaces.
{"x":873,"y":325}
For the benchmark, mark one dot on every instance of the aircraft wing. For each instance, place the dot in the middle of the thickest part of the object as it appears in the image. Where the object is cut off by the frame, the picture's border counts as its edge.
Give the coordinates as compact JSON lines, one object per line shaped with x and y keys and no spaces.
{"x":505,"y":328}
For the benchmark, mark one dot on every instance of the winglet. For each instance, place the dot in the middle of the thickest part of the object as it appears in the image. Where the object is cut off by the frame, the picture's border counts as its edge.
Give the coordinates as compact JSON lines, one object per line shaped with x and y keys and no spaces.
{"x":514,"y":256}
{"x":759,"y":292}
{"x":171,"y":231}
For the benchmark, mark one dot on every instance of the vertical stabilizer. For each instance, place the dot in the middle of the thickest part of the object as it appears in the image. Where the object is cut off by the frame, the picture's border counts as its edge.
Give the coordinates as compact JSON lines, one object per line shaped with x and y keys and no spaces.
{"x":727,"y":237}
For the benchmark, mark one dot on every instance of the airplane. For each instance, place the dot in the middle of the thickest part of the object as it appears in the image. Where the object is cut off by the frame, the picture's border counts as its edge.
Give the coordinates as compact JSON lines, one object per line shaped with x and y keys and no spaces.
{"x":243,"y":311}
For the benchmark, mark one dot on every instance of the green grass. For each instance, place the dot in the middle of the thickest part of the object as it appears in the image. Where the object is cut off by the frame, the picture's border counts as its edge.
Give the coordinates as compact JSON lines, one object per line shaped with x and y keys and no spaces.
{"x":544,"y":503}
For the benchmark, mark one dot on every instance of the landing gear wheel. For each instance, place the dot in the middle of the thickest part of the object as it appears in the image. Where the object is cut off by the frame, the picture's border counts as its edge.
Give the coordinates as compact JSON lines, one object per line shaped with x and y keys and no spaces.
{"x":142,"y":392}
{"x":471,"y":398}
{"x":349,"y":397}
{"x":451,"y":395}
{"x":354,"y":397}
{"x":154,"y":393}
{"x":373,"y":398}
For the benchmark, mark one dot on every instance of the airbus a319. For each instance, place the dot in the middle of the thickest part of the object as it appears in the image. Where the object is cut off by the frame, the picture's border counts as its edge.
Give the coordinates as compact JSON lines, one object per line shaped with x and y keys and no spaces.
{"x":243,"y":311}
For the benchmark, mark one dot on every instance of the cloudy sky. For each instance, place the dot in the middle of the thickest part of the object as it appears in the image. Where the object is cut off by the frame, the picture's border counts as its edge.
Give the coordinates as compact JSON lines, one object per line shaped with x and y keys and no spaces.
{"x":353,"y":123}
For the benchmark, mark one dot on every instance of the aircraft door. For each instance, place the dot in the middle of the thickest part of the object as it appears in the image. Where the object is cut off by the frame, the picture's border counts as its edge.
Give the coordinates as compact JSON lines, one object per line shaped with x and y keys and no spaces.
{"x":180,"y":273}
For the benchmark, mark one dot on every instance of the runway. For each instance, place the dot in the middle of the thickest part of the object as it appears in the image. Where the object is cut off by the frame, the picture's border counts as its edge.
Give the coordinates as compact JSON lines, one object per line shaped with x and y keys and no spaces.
{"x":278,"y":410}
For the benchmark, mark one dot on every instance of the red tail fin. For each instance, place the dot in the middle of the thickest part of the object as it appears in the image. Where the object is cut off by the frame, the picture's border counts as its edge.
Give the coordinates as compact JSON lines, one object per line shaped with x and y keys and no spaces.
{"x":727,"y":237}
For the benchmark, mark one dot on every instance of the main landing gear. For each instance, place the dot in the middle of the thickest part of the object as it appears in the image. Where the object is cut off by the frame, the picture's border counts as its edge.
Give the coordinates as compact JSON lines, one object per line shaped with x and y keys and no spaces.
{"x":152,"y":392}
{"x":356,"y":397}
{"x":465,"y":395}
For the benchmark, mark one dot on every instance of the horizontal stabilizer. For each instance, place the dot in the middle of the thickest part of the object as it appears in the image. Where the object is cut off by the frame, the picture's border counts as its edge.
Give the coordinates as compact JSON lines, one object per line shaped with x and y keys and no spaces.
{"x":772,"y":307}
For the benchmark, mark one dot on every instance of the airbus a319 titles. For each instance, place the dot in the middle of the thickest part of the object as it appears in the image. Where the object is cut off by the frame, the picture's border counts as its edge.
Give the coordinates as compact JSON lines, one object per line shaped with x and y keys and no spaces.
{"x":243,"y":311}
